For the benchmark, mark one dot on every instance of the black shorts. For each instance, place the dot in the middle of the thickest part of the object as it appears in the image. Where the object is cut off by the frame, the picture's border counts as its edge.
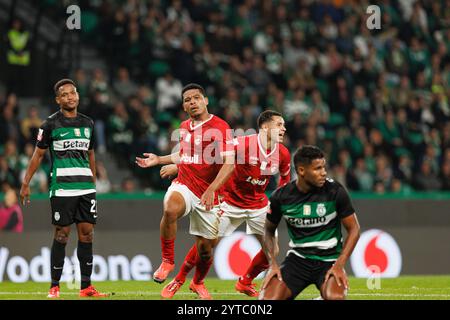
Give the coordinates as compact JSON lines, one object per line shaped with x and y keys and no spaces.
{"x":298,"y":273}
{"x":68,"y":210}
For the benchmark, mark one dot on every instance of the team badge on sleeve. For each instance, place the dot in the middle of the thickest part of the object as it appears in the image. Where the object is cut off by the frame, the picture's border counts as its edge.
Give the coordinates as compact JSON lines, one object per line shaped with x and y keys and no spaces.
{"x":39,"y":136}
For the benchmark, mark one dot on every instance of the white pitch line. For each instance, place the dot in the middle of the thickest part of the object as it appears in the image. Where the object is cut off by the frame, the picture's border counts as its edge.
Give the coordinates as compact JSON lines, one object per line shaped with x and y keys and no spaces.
{"x":146,"y":293}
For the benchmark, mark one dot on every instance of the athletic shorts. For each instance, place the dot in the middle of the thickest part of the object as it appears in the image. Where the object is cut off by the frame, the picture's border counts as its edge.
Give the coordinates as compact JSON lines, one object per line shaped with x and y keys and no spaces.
{"x":298,"y":273}
{"x":69,"y":210}
{"x":232,"y":217}
{"x":202,"y":223}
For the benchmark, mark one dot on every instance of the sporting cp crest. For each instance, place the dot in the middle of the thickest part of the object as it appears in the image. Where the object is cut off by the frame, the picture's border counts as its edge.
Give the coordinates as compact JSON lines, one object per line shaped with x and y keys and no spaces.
{"x":87,"y":133}
{"x":321,"y":210}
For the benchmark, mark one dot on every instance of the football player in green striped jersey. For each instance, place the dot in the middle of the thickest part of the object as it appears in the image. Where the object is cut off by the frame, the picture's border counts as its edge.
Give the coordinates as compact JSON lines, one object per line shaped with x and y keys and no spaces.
{"x":314,"y":208}
{"x":68,"y":135}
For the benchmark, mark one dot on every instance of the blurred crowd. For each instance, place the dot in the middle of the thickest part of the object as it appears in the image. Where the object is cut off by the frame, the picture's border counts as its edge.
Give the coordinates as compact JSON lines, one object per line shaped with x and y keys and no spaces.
{"x":376,"y":101}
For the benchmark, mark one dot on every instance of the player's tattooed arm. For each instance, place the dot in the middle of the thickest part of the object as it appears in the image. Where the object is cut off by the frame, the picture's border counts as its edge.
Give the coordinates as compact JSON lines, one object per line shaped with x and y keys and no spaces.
{"x":269,"y":247}
{"x":351,"y":225}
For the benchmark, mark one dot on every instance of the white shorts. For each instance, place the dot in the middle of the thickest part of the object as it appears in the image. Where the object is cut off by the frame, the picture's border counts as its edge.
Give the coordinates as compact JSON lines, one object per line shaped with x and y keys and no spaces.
{"x":232,"y":217}
{"x":202,"y":223}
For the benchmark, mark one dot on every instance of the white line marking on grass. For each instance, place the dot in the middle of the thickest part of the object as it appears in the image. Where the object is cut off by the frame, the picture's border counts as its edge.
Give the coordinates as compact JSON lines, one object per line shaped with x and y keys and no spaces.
{"x":149,"y":293}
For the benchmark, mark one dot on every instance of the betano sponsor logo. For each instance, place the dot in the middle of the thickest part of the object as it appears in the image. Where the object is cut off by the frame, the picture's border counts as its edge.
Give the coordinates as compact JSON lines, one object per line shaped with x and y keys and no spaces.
{"x":310,"y":222}
{"x":16,"y":268}
{"x":75,"y":144}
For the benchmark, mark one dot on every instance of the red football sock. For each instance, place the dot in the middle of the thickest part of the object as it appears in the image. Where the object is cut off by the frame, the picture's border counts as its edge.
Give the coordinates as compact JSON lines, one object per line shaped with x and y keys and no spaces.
{"x":202,"y":269}
{"x":168,"y":250}
{"x":258,"y":265}
{"x":188,"y":264}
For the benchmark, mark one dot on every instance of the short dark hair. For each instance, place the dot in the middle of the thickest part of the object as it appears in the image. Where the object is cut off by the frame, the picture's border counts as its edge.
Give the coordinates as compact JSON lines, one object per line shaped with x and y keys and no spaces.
{"x":306,"y":154}
{"x":193,"y":86}
{"x":266,"y":116}
{"x":62,"y":82}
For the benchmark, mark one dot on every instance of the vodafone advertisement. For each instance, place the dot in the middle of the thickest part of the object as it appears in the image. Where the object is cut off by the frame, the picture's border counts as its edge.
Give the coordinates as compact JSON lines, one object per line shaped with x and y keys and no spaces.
{"x":377,"y":252}
{"x":233,"y":255}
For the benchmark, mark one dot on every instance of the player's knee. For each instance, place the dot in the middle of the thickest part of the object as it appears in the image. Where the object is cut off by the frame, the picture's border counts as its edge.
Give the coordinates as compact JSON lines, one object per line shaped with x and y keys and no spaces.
{"x":332,"y":291}
{"x":171,"y":213}
{"x":87,"y":237}
{"x":61,"y":237}
{"x":334,"y":296}
{"x":204,"y":252}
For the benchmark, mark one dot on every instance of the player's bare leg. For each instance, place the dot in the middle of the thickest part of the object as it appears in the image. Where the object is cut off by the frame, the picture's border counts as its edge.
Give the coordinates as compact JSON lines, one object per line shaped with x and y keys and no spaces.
{"x":258,"y":264}
{"x":330,"y":290}
{"x":204,"y":262}
{"x":85,"y":257}
{"x":174,"y":208}
{"x":275,"y":290}
{"x":58,"y":253}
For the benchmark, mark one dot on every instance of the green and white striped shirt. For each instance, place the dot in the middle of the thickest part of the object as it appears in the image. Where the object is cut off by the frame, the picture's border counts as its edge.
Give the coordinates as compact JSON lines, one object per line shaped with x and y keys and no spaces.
{"x":69,"y":140}
{"x":313,"y":219}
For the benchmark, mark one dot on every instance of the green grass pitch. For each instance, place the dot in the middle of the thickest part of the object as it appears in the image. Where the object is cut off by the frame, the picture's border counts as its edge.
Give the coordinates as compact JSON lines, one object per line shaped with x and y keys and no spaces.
{"x":402,"y":288}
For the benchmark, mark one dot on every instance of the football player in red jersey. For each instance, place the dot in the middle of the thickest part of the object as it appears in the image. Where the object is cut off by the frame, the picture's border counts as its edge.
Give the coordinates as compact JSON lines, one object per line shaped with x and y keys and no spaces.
{"x":205,"y":161}
{"x":258,"y":157}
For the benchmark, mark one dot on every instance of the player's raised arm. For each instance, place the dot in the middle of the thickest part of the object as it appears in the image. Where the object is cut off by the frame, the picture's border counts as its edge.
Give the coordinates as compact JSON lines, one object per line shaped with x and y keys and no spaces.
{"x":152,"y":160}
{"x":34,"y":164}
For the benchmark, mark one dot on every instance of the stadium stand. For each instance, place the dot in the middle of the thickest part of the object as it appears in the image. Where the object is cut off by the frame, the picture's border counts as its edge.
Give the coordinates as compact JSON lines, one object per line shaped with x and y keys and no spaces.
{"x":377,"y":101}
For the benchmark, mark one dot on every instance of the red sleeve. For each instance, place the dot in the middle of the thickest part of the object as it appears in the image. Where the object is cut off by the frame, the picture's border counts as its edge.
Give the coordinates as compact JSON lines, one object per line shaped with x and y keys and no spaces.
{"x":227,"y":145}
{"x":285,"y":166}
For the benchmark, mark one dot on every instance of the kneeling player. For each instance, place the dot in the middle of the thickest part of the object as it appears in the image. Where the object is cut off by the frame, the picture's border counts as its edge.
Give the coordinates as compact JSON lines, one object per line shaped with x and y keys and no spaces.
{"x":314,"y":208}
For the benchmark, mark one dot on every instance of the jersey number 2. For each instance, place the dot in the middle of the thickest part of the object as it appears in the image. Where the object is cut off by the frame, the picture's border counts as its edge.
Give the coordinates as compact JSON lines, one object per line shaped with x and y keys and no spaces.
{"x":93,"y":208}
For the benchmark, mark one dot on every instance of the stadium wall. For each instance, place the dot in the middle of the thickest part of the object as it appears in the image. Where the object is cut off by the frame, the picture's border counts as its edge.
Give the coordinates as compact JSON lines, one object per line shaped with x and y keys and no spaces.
{"x":127,"y":240}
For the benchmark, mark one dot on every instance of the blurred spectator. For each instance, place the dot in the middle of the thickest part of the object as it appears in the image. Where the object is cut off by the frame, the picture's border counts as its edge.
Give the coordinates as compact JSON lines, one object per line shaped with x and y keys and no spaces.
{"x":30,"y":125}
{"x":102,"y":183}
{"x":375,"y":99}
{"x":445,"y":176}
{"x":168,"y":91}
{"x":39,"y":182}
{"x":7,"y":174}
{"x":426,"y":179}
{"x":18,"y":56}
{"x":123,"y":86}
{"x":11,"y":218}
{"x":128,"y":185}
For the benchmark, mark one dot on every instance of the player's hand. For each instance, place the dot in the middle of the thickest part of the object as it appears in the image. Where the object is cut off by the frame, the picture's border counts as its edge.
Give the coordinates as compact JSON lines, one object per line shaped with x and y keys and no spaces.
{"x":150,"y":160}
{"x":207,"y":199}
{"x":338,"y":272}
{"x":168,"y":171}
{"x":25,"y":194}
{"x":274,"y":271}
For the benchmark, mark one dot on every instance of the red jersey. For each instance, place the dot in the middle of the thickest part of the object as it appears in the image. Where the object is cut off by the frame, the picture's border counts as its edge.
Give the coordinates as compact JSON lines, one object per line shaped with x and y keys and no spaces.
{"x":254,"y":167}
{"x":201,"y":152}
